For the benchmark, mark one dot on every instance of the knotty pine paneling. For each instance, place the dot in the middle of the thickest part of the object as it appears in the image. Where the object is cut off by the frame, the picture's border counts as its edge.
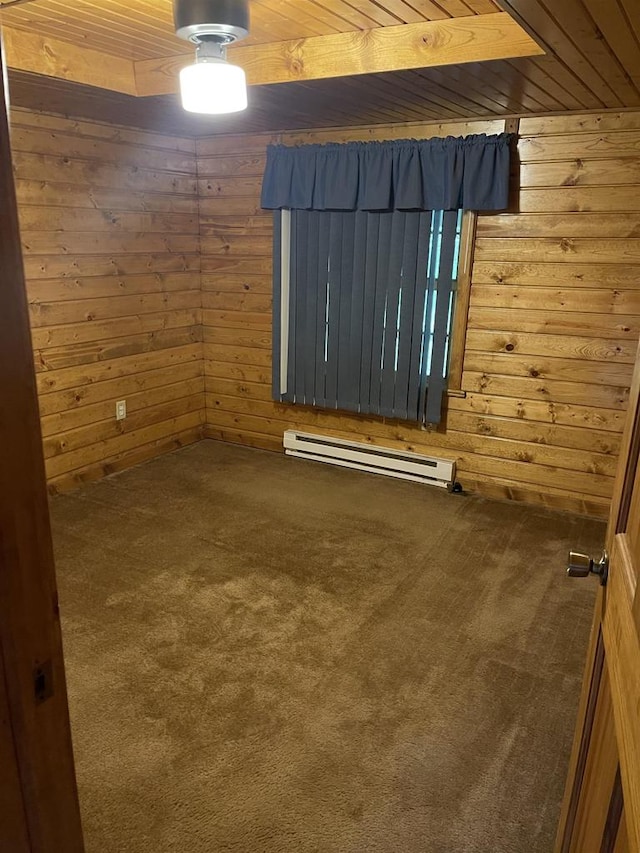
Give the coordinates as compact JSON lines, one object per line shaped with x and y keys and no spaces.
{"x":139,"y":30}
{"x":553,"y":326}
{"x":109,"y":226}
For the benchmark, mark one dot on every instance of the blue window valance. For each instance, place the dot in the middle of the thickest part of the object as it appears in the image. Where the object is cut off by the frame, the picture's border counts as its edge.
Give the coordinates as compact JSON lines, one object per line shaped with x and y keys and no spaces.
{"x":454,"y":173}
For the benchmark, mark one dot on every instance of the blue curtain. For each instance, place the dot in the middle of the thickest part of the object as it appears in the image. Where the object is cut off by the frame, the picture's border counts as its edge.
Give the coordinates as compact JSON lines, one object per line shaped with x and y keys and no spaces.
{"x":455,"y":173}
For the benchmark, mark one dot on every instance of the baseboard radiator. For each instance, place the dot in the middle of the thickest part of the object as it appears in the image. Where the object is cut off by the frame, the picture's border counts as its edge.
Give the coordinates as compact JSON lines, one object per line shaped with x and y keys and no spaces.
{"x":365,"y":457}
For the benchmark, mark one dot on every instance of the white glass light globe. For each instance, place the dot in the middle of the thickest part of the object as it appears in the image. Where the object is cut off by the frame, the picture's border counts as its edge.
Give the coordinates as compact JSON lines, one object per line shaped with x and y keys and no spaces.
{"x":213,"y":87}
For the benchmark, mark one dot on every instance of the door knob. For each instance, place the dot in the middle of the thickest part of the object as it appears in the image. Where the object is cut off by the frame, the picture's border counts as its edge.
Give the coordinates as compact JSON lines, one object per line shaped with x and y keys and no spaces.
{"x":582,"y":565}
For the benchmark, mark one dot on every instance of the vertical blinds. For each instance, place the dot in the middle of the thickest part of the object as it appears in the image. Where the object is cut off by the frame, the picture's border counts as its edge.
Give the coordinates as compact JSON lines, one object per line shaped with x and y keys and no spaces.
{"x":363,"y":303}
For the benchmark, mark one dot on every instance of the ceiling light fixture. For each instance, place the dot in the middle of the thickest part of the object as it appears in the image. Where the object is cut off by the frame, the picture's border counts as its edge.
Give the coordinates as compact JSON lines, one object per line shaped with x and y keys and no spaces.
{"x":212,"y":85}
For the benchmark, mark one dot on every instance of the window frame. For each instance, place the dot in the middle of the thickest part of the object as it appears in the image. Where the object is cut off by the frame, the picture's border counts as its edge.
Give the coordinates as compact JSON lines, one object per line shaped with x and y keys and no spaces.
{"x":461,"y":307}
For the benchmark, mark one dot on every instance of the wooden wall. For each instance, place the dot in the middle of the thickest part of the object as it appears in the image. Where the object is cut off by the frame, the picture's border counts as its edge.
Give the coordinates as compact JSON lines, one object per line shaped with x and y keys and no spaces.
{"x":109,"y":224}
{"x":553,"y":324}
{"x":116,"y":230}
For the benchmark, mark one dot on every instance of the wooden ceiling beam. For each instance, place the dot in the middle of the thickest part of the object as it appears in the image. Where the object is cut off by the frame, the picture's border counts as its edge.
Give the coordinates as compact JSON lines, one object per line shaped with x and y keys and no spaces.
{"x":476,"y":38}
{"x":28,"y":51}
{"x":407,"y":46}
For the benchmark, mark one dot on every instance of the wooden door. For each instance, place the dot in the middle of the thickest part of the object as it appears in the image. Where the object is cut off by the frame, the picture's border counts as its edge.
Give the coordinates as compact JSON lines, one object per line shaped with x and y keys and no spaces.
{"x":601,"y":809}
{"x":38,"y":800}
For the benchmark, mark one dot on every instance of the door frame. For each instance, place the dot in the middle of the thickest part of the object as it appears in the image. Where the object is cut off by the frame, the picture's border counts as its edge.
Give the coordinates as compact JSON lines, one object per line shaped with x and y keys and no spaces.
{"x":38,"y":791}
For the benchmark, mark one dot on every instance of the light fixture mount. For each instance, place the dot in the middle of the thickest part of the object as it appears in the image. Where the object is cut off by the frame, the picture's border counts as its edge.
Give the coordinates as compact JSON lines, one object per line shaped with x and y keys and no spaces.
{"x":211,"y":48}
{"x":225,"y":21}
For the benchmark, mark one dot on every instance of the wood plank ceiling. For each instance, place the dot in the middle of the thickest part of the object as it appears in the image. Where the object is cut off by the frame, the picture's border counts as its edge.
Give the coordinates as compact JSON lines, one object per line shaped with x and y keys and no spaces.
{"x":143,"y":29}
{"x":591,"y":62}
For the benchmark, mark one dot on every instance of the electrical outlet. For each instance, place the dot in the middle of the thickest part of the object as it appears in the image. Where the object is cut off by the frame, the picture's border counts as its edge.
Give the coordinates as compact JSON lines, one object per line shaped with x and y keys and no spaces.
{"x":121,"y":410}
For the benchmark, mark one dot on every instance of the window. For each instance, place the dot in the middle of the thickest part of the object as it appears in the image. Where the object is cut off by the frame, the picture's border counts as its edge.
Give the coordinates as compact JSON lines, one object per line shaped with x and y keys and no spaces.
{"x":365,"y":313}
{"x":371,"y":272}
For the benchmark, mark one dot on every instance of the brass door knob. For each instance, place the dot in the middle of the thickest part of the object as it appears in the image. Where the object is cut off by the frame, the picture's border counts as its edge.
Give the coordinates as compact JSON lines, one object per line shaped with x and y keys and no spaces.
{"x":581,"y":565}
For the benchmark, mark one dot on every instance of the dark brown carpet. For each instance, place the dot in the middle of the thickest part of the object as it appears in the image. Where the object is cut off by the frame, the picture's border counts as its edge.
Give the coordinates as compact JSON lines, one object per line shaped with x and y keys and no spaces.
{"x":271,"y":655}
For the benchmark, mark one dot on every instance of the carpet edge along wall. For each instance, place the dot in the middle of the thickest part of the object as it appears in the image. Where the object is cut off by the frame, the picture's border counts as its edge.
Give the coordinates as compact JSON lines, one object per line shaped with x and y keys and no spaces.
{"x":148,"y":265}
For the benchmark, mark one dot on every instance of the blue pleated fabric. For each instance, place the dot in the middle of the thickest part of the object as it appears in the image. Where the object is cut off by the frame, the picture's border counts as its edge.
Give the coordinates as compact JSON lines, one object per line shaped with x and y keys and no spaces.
{"x":452,"y":173}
